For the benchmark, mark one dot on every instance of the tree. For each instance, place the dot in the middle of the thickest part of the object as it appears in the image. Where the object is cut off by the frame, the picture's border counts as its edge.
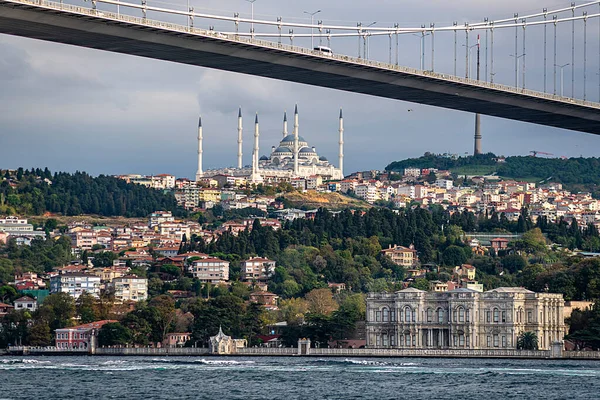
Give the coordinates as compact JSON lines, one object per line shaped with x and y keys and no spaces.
{"x":39,"y":334}
{"x":320,"y":301}
{"x":163,"y":311}
{"x":527,"y":341}
{"x":85,"y":307}
{"x":58,"y":310}
{"x":513,"y":263}
{"x":114,"y":334}
{"x":454,"y":255}
{"x":293,"y":310}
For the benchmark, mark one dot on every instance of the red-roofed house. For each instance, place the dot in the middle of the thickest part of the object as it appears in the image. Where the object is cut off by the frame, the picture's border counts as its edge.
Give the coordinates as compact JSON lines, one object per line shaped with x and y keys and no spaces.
{"x":5,"y":309}
{"x":79,"y":338}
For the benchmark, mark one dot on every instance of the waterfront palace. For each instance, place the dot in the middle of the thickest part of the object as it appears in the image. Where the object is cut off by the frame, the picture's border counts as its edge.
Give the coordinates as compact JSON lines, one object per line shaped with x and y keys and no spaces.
{"x":463,"y":318}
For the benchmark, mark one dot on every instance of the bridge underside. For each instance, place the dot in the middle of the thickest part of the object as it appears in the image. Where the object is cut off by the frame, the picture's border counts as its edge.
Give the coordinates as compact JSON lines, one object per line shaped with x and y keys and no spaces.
{"x":212,"y":52}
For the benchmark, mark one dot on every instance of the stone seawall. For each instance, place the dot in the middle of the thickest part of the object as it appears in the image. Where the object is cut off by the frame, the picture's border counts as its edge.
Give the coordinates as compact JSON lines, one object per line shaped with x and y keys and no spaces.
{"x":319,"y":352}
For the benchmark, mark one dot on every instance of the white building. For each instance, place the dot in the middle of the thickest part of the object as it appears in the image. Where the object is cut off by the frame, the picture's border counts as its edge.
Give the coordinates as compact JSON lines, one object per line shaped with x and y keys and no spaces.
{"x":159,"y":217}
{"x":368,"y":192}
{"x":463,"y":318}
{"x":444,"y":183}
{"x":257,"y":269}
{"x":25,"y":303}
{"x":408,"y":190}
{"x":414,"y":172}
{"x":210,"y":270}
{"x":130,"y":288}
{"x":75,"y":284}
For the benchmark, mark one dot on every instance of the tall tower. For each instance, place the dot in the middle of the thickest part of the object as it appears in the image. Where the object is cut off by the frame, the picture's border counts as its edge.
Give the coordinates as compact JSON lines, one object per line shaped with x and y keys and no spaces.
{"x":200,"y":172}
{"x":285,"y":131}
{"x":296,"y":125}
{"x":477,"y":149}
{"x":240,"y":129}
{"x":341,"y":155}
{"x":255,"y":172}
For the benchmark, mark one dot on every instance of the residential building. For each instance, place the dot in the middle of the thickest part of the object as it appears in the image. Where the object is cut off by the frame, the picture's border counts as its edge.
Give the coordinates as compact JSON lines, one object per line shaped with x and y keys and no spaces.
{"x":266,"y":299}
{"x":130,"y":288}
{"x":84,"y":239}
{"x":25,"y":303}
{"x":463,"y":318}
{"x":404,"y":256}
{"x":159,"y":217}
{"x":81,"y":337}
{"x":75,"y":284}
{"x":257,"y":269}
{"x":173,"y":340}
{"x":5,"y":309}
{"x":210,"y":270}
{"x":414,"y":172}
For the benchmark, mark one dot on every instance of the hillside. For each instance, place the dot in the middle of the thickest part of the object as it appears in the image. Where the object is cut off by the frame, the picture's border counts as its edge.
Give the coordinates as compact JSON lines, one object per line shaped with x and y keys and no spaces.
{"x":581,"y":173}
{"x":37,"y":192}
{"x":331,"y":201}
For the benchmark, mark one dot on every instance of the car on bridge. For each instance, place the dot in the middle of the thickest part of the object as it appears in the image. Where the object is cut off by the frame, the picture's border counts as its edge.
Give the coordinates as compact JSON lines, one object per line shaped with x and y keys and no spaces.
{"x":324,"y":50}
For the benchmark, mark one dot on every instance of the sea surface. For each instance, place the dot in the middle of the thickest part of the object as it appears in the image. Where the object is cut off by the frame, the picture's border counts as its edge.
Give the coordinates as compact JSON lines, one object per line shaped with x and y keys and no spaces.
{"x":292,"y":378}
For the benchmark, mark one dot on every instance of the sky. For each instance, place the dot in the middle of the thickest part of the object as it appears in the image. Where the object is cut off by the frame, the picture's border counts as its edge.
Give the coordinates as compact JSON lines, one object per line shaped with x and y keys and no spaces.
{"x":70,"y":108}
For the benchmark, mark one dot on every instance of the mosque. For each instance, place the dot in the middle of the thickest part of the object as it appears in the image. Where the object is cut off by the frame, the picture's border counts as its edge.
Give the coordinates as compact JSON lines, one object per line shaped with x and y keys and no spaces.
{"x":292,"y":158}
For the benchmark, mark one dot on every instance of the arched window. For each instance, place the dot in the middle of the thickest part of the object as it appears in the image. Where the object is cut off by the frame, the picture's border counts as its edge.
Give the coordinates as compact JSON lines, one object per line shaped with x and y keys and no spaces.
{"x":414,"y":315}
{"x":386,"y":315}
{"x":440,"y":315}
{"x":496,"y":315}
{"x":429,"y":315}
{"x":461,"y":314}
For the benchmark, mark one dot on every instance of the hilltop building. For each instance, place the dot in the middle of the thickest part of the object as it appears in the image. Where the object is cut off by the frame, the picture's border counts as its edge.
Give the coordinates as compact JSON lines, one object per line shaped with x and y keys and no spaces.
{"x":292,"y":158}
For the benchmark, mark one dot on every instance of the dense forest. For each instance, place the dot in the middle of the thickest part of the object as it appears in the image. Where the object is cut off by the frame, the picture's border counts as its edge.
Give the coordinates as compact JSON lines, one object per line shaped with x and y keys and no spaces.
{"x":571,"y":171}
{"x":38,"y":191}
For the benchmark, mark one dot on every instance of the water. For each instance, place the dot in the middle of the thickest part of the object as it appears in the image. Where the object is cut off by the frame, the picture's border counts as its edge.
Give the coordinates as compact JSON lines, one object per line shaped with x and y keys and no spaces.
{"x":293,"y":378}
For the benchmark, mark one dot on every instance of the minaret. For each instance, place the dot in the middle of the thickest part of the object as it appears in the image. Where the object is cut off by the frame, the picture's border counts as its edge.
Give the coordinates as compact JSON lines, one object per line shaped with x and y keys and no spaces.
{"x":240,"y":139}
{"x":199,"y":173}
{"x":341,"y":155}
{"x":285,"y":131}
{"x":296,"y":141}
{"x":255,"y":174}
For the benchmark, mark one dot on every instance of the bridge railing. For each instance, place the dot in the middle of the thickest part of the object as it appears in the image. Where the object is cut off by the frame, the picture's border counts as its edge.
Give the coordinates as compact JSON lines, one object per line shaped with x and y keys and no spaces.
{"x":94,"y":12}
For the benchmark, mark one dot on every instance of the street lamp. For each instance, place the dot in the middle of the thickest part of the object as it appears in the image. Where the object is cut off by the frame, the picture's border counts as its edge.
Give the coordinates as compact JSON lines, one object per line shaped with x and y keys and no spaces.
{"x":517,"y":70}
{"x":312,"y":15}
{"x":252,"y":24}
{"x":561,"y":77}
{"x":422,"y":37}
{"x":366,"y":38}
{"x":468,"y":72}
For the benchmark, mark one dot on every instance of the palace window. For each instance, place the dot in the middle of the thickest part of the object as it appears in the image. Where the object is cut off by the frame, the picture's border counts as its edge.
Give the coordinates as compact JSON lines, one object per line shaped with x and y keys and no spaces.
{"x":467,"y":340}
{"x":393,"y":340}
{"x":407,"y":343}
{"x":378,"y":340}
{"x":377,"y":316}
{"x":454,"y":315}
{"x":487,"y":316}
{"x":414,"y":340}
{"x":401,"y":315}
{"x":461,"y":340}
{"x":429,"y":315}
{"x":496,"y":343}
{"x":468,"y":315}
{"x":503,"y":341}
{"x":385,"y":339}
{"x":496,"y":315}
{"x":440,"y":313}
{"x":393,"y":315}
{"x":529,"y":316}
{"x":489,"y":341}
{"x":386,"y":315}
{"x":414,"y":316}
{"x":461,"y":314}
{"x":503,"y":316}
{"x":401,"y":340}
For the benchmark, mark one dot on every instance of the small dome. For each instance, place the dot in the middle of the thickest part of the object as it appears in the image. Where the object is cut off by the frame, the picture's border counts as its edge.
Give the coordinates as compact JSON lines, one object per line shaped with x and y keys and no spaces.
{"x":282,"y":149}
{"x":323,"y":158}
{"x":306,"y":150}
{"x":290,"y":138}
{"x":264,"y":158}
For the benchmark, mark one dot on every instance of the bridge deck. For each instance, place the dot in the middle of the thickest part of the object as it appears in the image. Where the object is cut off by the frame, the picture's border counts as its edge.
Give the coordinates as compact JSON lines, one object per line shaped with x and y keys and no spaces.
{"x":134,"y":36}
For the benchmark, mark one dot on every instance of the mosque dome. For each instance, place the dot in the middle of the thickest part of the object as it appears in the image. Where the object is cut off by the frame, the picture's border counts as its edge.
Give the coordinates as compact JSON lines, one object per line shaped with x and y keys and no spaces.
{"x":290,"y":138}
{"x":282,"y":149}
{"x":307,"y":150}
{"x":323,"y":158}
{"x":264,"y":158}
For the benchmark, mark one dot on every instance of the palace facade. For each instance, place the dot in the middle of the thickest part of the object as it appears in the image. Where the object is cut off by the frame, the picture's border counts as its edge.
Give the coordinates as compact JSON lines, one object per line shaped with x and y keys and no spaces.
{"x":463,"y":318}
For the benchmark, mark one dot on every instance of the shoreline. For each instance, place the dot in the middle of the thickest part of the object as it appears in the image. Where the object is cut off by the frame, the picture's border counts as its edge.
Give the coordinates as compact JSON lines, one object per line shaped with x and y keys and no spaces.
{"x":314,"y":352}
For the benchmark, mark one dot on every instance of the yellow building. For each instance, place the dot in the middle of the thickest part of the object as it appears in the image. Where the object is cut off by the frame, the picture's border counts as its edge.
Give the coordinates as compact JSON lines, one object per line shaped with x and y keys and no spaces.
{"x":404,"y":256}
{"x":209,"y":194}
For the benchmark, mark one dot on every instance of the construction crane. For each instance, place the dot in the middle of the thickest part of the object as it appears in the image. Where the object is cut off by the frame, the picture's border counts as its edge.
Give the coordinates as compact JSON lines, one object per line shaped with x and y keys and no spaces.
{"x":535,"y":153}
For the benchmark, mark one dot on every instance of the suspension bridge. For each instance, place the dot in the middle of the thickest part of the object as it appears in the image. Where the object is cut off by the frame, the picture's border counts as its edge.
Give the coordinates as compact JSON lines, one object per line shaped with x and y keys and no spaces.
{"x":220,"y":42}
